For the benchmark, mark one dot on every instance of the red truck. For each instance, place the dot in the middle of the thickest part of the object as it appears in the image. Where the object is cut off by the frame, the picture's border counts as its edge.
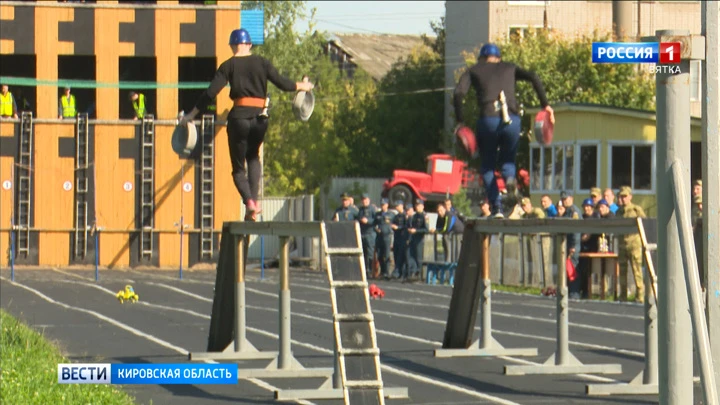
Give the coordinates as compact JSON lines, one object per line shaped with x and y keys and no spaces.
{"x":445,"y":176}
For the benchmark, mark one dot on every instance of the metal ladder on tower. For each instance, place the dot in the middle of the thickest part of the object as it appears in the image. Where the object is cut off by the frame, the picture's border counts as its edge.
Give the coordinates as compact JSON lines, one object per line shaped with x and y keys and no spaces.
{"x":147,"y":186}
{"x":358,"y":356}
{"x":207,"y":187}
{"x":81,"y":186}
{"x":24,"y":173}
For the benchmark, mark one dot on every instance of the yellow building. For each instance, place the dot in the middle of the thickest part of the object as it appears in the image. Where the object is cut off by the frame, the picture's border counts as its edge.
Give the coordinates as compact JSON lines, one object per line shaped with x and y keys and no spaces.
{"x":601,"y":146}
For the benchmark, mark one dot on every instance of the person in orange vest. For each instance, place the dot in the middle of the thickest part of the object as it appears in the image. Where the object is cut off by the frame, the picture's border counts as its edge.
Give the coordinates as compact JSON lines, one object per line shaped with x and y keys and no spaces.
{"x":138,"y":103}
{"x":8,"y":106}
{"x":67,"y":109}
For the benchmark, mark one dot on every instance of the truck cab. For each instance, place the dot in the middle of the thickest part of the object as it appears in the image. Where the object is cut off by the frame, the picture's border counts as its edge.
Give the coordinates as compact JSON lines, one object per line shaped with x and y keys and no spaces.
{"x":445,"y":175}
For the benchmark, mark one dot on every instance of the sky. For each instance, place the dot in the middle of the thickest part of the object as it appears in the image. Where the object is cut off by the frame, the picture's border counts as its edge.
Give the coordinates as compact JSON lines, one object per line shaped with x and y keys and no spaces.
{"x":375,"y":17}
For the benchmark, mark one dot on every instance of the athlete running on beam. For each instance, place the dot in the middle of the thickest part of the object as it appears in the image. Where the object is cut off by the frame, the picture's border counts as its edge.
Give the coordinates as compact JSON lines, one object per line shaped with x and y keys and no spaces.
{"x":497,"y":127}
{"x":246,"y":124}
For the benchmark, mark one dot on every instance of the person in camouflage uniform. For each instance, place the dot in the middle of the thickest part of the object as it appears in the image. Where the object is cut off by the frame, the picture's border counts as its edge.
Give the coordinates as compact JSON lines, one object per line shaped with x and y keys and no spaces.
{"x":630,"y":247}
{"x":529,"y":211}
{"x":346,"y":212}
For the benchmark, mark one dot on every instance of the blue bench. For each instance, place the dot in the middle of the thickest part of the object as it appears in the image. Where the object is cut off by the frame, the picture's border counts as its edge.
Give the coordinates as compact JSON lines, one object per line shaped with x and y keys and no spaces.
{"x":440,"y":272}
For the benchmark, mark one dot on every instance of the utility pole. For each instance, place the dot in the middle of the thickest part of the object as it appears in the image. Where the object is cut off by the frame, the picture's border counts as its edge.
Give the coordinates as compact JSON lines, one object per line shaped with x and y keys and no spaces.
{"x":710,"y":12}
{"x":675,"y":347}
{"x":622,"y":19}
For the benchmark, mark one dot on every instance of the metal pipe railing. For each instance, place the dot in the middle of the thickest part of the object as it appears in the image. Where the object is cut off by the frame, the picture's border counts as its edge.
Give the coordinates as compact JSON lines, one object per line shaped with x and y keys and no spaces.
{"x":692,"y":282}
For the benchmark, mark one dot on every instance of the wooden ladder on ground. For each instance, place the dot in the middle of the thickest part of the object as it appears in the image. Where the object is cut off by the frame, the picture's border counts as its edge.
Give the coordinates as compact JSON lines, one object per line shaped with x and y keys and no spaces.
{"x":358,"y":355}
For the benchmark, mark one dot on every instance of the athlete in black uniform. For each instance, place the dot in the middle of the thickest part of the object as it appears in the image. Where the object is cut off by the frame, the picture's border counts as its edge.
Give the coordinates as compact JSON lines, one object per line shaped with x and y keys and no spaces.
{"x":246,"y":125}
{"x":489,"y":77}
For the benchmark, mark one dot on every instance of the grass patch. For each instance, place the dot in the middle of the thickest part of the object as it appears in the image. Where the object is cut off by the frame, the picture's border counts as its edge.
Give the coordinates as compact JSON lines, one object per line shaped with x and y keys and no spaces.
{"x":28,"y":365}
{"x":517,"y":289}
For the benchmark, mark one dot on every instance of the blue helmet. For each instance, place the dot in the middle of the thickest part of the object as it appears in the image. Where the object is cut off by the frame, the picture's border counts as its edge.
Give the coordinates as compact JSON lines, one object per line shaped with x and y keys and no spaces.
{"x":490,"y":50}
{"x":240,"y":36}
{"x":588,"y":201}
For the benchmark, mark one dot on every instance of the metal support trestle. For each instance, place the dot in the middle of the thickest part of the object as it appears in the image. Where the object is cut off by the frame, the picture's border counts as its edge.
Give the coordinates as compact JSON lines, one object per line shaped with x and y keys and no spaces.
{"x":282,"y":364}
{"x":563,"y":361}
{"x":646,"y":382}
{"x":356,"y":376}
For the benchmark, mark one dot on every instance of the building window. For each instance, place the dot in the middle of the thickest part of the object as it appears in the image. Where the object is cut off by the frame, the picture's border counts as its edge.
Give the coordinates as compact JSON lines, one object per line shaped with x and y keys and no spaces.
{"x":552,"y":168}
{"x":695,"y":80}
{"x":632,"y":165}
{"x":588,"y":162}
{"x":518,"y":32}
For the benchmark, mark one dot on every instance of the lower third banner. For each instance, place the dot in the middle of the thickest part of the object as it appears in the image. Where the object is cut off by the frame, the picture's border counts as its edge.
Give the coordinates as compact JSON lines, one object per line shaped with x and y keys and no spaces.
{"x":193,"y":374}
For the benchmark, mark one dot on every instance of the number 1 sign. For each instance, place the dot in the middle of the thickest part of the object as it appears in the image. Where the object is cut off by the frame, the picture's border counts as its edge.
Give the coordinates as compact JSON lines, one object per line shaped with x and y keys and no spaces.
{"x":670,"y":52}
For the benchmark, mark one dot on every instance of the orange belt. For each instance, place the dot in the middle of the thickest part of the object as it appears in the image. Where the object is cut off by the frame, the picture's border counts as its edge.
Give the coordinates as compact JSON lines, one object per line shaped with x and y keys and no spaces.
{"x":249,"y":102}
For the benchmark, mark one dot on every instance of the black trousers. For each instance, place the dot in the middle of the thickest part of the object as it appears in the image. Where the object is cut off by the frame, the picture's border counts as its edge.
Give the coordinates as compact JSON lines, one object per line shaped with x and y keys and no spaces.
{"x":400,"y":253}
{"x":245,"y":136}
{"x":382,"y":245}
{"x":368,"y":244}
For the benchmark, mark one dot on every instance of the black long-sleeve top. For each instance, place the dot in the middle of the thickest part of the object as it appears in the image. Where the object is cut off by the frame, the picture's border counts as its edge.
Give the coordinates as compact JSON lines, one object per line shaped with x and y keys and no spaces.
{"x":488,"y":79}
{"x":248,"y":77}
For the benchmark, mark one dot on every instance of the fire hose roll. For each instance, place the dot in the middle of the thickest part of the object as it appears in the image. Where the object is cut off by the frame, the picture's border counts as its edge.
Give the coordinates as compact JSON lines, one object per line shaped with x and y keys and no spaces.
{"x":184,"y":139}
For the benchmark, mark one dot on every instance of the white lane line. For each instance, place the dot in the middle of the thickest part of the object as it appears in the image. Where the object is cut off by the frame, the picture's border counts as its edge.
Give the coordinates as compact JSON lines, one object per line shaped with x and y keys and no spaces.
{"x":136,"y":332}
{"x":495,"y":301}
{"x":498,"y":313}
{"x":389,"y":369}
{"x":380,"y":332}
{"x":536,"y":304}
{"x":425,"y":319}
{"x":501,"y":332}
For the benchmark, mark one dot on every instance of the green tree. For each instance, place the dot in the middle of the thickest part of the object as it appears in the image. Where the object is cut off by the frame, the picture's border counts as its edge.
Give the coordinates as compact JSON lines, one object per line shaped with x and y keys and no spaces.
{"x":437,"y":44}
{"x":299,"y":156}
{"x":406,"y":118}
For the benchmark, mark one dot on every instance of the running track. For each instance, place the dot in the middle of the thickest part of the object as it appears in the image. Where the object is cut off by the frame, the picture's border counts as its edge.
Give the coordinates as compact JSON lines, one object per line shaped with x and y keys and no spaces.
{"x":173,"y":316}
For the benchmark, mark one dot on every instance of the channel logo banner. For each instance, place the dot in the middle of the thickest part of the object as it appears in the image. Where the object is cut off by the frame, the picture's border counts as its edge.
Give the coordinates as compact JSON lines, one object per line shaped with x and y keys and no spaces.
{"x":136,"y":374}
{"x":79,"y":373}
{"x":636,"y":52}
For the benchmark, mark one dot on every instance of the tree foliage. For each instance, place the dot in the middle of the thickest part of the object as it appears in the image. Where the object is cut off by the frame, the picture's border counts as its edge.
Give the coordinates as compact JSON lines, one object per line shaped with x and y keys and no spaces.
{"x":403,"y":122}
{"x":299,"y":156}
{"x":359,"y":127}
{"x":406,"y":119}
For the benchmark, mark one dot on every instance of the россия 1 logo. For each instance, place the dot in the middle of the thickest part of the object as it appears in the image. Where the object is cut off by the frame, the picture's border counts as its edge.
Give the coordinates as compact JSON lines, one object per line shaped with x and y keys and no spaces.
{"x":665,"y":55}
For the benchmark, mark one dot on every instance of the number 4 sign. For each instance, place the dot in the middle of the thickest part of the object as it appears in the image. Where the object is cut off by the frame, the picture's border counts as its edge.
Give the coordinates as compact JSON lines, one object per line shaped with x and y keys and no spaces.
{"x":670,"y":52}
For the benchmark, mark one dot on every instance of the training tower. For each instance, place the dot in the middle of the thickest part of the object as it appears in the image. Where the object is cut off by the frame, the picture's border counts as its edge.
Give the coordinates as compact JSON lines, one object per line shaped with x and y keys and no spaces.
{"x":61,"y":178}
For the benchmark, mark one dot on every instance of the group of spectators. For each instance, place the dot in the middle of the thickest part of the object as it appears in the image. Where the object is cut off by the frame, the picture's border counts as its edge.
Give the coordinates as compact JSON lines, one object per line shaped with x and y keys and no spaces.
{"x":601,"y":204}
{"x":400,"y":230}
